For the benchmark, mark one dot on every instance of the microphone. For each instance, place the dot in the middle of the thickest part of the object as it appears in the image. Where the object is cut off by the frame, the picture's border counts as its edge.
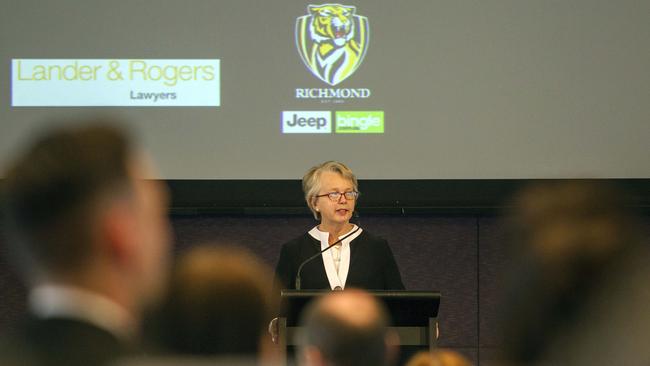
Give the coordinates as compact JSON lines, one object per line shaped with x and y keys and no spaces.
{"x":319,"y":253}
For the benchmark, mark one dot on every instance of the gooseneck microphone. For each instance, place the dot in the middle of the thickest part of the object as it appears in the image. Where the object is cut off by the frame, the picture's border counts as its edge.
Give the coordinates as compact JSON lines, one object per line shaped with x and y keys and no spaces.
{"x":319,"y":253}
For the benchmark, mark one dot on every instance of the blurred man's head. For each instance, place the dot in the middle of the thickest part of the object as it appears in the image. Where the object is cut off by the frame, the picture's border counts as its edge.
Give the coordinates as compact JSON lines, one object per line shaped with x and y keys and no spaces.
{"x":219,"y":303}
{"x":347,"y":328}
{"x":79,"y":211}
{"x":568,"y":239}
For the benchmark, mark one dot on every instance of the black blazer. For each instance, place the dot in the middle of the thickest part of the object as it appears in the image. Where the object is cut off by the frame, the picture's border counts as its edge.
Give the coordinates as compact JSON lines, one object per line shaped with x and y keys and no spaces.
{"x":60,"y":341}
{"x":372,"y":265}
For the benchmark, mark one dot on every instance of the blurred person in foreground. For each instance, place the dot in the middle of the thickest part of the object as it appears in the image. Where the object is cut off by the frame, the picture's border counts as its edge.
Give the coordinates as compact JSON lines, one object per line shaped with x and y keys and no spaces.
{"x":217,"y":306}
{"x":90,"y":236}
{"x":347,"y":328}
{"x":439,"y":357}
{"x":578,"y":292}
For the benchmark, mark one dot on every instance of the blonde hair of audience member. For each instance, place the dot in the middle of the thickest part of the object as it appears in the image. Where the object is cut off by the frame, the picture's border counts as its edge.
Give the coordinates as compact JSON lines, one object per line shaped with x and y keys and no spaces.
{"x":440,"y":357}
{"x":218,"y":303}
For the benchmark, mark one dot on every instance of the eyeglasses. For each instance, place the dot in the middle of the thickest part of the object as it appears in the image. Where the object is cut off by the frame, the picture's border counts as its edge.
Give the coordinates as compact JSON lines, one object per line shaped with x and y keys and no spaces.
{"x":336,"y":196}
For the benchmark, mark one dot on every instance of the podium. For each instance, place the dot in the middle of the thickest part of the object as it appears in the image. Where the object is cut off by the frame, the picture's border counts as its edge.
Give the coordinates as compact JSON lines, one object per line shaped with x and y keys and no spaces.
{"x":413,"y":315}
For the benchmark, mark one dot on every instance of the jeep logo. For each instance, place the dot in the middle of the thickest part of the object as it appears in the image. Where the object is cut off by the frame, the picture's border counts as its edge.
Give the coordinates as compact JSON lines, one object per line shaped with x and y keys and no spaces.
{"x":306,"y":122}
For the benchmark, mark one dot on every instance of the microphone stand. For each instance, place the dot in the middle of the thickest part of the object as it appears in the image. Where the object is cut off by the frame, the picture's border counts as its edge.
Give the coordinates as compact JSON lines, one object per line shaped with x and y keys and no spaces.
{"x":319,"y":253}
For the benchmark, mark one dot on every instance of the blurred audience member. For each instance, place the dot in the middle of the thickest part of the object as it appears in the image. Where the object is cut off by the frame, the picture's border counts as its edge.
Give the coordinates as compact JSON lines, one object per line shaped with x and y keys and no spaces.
{"x":578,"y":291}
{"x":91,"y":237}
{"x":218,"y":304}
{"x":347,"y":328}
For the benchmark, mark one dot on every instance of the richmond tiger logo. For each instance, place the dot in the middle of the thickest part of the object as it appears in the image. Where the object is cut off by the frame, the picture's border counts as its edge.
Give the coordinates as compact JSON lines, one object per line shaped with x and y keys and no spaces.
{"x":332,"y":41}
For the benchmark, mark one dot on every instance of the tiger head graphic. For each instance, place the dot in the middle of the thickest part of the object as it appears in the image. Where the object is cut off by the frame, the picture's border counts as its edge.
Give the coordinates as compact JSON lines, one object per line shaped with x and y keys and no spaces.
{"x":331,"y":24}
{"x":332,"y":41}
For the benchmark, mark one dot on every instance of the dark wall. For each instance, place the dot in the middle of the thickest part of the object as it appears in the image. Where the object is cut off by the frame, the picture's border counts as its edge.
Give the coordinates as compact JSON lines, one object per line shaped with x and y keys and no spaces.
{"x":460,"y":256}
{"x":12,"y":291}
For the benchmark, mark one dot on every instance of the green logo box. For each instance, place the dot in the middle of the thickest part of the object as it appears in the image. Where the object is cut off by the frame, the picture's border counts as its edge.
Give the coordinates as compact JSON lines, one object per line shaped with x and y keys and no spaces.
{"x":360,"y":122}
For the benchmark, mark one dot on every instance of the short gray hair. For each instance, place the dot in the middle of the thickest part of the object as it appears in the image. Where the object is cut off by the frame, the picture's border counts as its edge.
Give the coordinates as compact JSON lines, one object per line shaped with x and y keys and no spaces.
{"x":311,"y":181}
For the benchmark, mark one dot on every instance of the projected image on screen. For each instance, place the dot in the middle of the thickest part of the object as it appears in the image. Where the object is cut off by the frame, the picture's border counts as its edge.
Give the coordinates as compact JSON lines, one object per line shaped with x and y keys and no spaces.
{"x":243,"y":89}
{"x":332,"y":41}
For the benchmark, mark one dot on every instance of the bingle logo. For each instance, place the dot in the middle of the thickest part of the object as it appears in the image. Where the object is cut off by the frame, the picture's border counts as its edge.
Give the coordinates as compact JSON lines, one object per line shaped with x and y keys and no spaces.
{"x":332,"y":41}
{"x":306,"y":122}
{"x":360,"y":122}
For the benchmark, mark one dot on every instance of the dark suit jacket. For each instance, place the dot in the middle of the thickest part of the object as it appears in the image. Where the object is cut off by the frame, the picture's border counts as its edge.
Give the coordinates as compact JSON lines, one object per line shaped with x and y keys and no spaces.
{"x":372,"y":265}
{"x":60,"y":341}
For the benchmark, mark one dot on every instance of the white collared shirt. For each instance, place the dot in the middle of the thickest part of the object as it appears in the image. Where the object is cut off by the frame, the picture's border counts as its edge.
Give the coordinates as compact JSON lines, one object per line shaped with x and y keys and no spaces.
{"x":336,"y":278}
{"x":50,"y":300}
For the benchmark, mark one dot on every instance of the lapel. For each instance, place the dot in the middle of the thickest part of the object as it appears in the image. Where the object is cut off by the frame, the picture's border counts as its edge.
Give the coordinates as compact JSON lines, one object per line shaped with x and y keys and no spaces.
{"x":336,"y":279}
{"x":354,"y":253}
{"x":326,"y":257}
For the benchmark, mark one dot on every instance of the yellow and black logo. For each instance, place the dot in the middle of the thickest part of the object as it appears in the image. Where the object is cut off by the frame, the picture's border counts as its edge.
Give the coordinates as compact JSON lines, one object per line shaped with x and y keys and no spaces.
{"x":332,"y":41}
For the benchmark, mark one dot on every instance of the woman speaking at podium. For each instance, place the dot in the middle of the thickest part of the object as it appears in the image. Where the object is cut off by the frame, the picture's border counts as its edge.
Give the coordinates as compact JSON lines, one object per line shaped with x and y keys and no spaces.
{"x":336,"y":254}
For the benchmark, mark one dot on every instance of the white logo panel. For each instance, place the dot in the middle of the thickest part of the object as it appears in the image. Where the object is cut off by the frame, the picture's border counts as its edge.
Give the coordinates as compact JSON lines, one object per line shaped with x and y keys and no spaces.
{"x":306,"y":122}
